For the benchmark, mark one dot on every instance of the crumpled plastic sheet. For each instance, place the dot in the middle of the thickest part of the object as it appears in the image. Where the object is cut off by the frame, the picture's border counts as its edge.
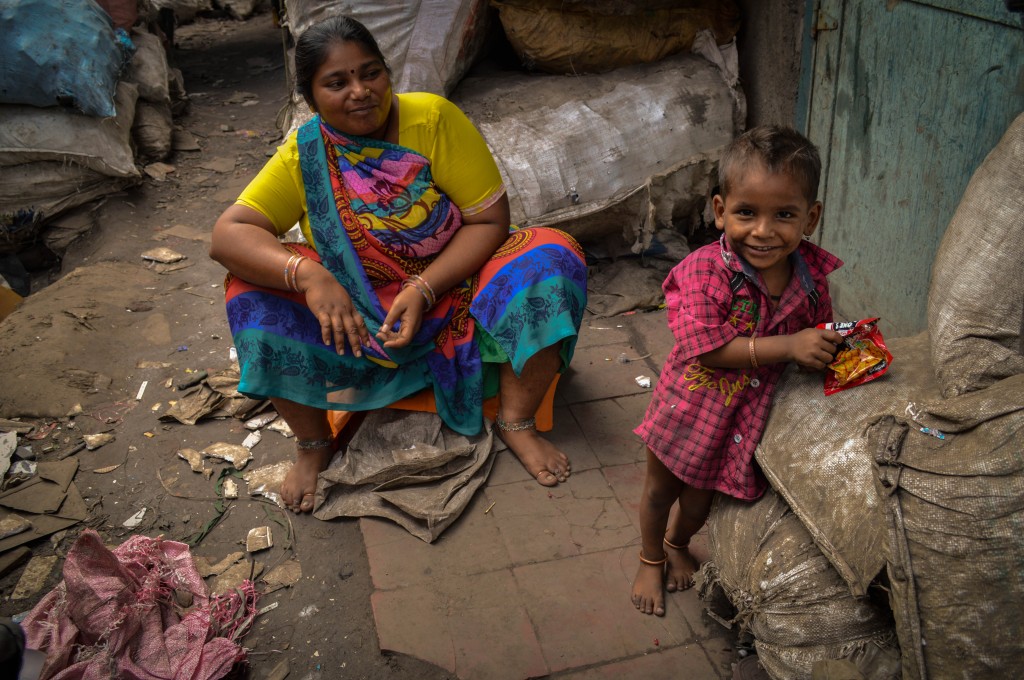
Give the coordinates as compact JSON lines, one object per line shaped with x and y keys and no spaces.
{"x":407,"y":467}
{"x":115,"y":614}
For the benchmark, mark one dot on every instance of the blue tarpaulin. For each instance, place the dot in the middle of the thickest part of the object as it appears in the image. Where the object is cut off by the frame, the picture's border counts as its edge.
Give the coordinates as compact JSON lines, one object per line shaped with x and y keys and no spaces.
{"x":60,"y":53}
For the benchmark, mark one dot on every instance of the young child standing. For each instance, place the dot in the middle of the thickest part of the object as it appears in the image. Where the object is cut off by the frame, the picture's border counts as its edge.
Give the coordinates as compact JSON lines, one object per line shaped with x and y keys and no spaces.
{"x":739,"y":309}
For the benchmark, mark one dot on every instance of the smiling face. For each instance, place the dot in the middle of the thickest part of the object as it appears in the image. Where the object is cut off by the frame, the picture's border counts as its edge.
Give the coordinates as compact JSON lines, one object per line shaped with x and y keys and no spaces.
{"x":764,"y":216}
{"x":351,"y":90}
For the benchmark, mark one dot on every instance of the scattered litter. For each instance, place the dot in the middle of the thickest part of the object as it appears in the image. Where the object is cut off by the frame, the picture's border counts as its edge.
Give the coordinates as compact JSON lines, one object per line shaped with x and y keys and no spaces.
{"x":192,"y":380}
{"x":76,"y":410}
{"x":234,"y":576}
{"x":16,"y":426}
{"x":232,"y":354}
{"x":643,"y":381}
{"x":625,"y":358}
{"x":95,"y":441}
{"x":309,"y":610}
{"x":259,"y":538}
{"x":269,"y":608}
{"x":25,"y":453}
{"x":149,"y":435}
{"x":230,"y":488}
{"x":182,"y":348}
{"x":266,"y":480}
{"x":105,"y":470}
{"x":8,"y":445}
{"x":153,"y":364}
{"x":252,"y":439}
{"x":142,"y":390}
{"x":489,"y":507}
{"x":34,"y":577}
{"x":239,"y":456}
{"x":156,"y":407}
{"x":23,"y":469}
{"x":283,"y":576}
{"x":12,"y":524}
{"x":135,"y":520}
{"x":281,"y":426}
{"x":261,"y":420}
{"x":938,"y":434}
{"x":205,"y":569}
{"x":162,"y":255}
{"x":194,"y":458}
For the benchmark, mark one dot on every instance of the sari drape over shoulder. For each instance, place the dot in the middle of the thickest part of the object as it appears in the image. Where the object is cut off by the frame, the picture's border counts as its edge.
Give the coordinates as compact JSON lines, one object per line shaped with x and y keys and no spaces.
{"x":377,"y":217}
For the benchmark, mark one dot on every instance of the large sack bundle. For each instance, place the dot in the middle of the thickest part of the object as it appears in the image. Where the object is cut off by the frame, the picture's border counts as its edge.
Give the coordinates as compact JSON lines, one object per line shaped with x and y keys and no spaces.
{"x":57,"y":53}
{"x":615,"y":153}
{"x":148,"y":68}
{"x":954,"y":511}
{"x":53,"y":159}
{"x":789,"y":596}
{"x":429,"y":44}
{"x":976,"y":299}
{"x":816,"y":455}
{"x":594,"y":37}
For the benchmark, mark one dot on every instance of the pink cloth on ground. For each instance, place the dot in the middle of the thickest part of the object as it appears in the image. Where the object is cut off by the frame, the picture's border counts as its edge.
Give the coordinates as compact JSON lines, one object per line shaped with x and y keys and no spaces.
{"x":114,"y":615}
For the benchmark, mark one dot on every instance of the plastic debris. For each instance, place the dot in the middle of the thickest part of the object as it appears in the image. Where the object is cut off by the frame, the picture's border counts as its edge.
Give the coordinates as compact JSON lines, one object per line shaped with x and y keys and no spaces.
{"x":230,"y":488}
{"x":933,"y":432}
{"x":259,"y":538}
{"x":135,"y":520}
{"x":239,"y":456}
{"x":162,"y":255}
{"x":309,"y":610}
{"x":95,"y":441}
{"x":261,"y":420}
{"x":252,"y":439}
{"x":142,"y":390}
{"x":643,"y":381}
{"x":281,"y":426}
{"x":232,"y":354}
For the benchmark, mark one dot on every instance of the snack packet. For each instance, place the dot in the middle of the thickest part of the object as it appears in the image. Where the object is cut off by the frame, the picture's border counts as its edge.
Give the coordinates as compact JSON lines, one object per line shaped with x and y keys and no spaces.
{"x":861,"y":357}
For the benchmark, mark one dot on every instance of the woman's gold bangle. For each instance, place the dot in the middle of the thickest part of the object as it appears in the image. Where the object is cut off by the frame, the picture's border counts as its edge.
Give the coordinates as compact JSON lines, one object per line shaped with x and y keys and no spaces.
{"x":753,"y":354}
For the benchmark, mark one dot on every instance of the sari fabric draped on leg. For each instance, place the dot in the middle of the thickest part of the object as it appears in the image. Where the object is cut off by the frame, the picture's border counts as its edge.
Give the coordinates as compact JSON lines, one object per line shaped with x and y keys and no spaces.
{"x":377,"y":218}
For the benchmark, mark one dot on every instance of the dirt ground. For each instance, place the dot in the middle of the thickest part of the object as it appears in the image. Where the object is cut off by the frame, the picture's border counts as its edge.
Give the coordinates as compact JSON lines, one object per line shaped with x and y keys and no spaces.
{"x":81,"y":339}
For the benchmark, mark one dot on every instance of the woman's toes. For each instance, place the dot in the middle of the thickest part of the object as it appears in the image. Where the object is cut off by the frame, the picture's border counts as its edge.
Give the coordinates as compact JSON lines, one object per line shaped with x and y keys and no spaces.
{"x":545,"y":478}
{"x":307,"y":502}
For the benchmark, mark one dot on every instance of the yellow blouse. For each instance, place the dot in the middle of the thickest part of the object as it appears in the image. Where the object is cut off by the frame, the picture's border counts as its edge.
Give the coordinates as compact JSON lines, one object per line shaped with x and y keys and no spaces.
{"x":460,"y":162}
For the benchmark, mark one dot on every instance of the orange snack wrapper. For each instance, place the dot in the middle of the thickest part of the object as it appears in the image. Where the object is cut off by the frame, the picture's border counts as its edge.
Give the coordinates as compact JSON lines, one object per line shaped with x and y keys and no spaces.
{"x":860,"y":358}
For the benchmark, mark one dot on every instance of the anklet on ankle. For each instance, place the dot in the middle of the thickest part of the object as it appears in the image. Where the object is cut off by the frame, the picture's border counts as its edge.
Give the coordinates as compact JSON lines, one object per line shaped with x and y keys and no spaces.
{"x":311,"y":444}
{"x":515,"y":425}
{"x":653,"y":563}
{"x":674,"y":546}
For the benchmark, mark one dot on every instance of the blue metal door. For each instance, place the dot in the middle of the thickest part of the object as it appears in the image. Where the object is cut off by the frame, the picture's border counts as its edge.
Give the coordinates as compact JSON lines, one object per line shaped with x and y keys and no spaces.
{"x":905,"y":100}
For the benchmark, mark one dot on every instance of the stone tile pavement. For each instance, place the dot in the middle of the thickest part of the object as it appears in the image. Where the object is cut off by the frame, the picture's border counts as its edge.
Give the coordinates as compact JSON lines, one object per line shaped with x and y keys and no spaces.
{"x":532,"y":581}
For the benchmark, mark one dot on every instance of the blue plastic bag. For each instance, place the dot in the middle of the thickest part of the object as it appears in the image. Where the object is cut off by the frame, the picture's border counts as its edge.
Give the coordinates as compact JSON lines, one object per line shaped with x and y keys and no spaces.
{"x":60,"y":53}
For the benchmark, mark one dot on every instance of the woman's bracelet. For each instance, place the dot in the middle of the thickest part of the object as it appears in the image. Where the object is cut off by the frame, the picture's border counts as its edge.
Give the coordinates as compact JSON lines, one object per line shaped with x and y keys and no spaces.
{"x":291,"y":272}
{"x":753,"y":354}
{"x":423,"y":287}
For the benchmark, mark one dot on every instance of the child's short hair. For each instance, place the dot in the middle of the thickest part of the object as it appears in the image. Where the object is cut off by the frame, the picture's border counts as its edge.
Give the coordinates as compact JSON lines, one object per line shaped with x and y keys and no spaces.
{"x":780,"y":149}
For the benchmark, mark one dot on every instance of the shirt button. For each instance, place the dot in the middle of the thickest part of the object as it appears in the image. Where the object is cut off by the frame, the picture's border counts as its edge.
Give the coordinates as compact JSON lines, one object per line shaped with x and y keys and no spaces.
{"x":737,"y":438}
{"x":755,"y":383}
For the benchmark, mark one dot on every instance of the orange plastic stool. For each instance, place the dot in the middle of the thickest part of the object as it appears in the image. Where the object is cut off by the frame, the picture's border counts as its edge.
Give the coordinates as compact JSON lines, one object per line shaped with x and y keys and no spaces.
{"x":424,"y":401}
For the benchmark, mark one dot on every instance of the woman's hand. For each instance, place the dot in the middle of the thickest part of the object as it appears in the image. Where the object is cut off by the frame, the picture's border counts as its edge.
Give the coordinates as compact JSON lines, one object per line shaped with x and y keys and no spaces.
{"x":407,"y":311}
{"x":340,"y":321}
{"x":814,"y":348}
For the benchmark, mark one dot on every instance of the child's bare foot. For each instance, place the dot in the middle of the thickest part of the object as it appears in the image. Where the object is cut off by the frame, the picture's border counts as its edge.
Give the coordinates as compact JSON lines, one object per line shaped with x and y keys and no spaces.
{"x":682,"y":565}
{"x":541,"y":458}
{"x":298,"y":491}
{"x":648,"y":587}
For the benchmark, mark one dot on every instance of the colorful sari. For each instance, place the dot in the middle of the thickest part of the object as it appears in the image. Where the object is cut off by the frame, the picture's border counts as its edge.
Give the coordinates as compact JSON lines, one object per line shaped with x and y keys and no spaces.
{"x":377,"y":218}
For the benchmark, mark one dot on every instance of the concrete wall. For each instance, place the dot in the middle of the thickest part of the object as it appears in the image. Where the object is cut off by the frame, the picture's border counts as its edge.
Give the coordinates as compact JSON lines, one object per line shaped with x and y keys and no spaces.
{"x":769,"y":46}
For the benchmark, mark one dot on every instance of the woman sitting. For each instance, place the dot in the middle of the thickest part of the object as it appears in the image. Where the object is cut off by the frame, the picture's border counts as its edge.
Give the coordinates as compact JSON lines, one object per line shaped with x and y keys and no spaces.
{"x":413,"y":279}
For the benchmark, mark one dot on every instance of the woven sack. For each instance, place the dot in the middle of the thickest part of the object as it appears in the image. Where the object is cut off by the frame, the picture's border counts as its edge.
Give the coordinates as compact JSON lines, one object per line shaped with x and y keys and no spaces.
{"x":955,"y":517}
{"x":976,"y":299}
{"x":788,"y":595}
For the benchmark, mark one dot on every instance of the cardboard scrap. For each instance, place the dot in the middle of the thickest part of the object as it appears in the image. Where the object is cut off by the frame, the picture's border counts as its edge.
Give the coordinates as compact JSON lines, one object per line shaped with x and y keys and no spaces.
{"x":282,"y":576}
{"x":194,"y":458}
{"x":70,"y":511}
{"x":162,"y":255}
{"x":11,"y":524}
{"x":205,"y":568}
{"x":259,"y":538}
{"x":239,"y":456}
{"x":238,"y":572}
{"x":34,"y":577}
{"x":45,"y":492}
{"x":12,"y":558}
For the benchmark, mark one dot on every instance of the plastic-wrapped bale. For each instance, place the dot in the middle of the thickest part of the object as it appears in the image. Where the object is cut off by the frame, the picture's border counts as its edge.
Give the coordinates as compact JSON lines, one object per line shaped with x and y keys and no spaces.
{"x":976,"y":299}
{"x":615,"y":153}
{"x":787,"y":594}
{"x":429,"y":44}
{"x":816,"y":455}
{"x":593,"y":37}
{"x":58,"y":53}
{"x":955,"y":517}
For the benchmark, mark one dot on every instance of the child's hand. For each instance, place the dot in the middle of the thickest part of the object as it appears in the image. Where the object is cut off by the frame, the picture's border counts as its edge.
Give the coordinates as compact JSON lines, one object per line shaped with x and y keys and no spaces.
{"x":814,"y":348}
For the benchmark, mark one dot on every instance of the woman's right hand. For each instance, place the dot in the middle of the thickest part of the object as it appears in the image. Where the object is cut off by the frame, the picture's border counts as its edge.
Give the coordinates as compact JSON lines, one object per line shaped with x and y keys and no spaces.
{"x":340,"y":321}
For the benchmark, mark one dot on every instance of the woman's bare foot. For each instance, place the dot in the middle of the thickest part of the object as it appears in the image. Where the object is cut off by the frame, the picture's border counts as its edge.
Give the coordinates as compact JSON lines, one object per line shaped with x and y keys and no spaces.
{"x":541,"y":458}
{"x":682,"y":565}
{"x":648,"y":589}
{"x":298,"y":491}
